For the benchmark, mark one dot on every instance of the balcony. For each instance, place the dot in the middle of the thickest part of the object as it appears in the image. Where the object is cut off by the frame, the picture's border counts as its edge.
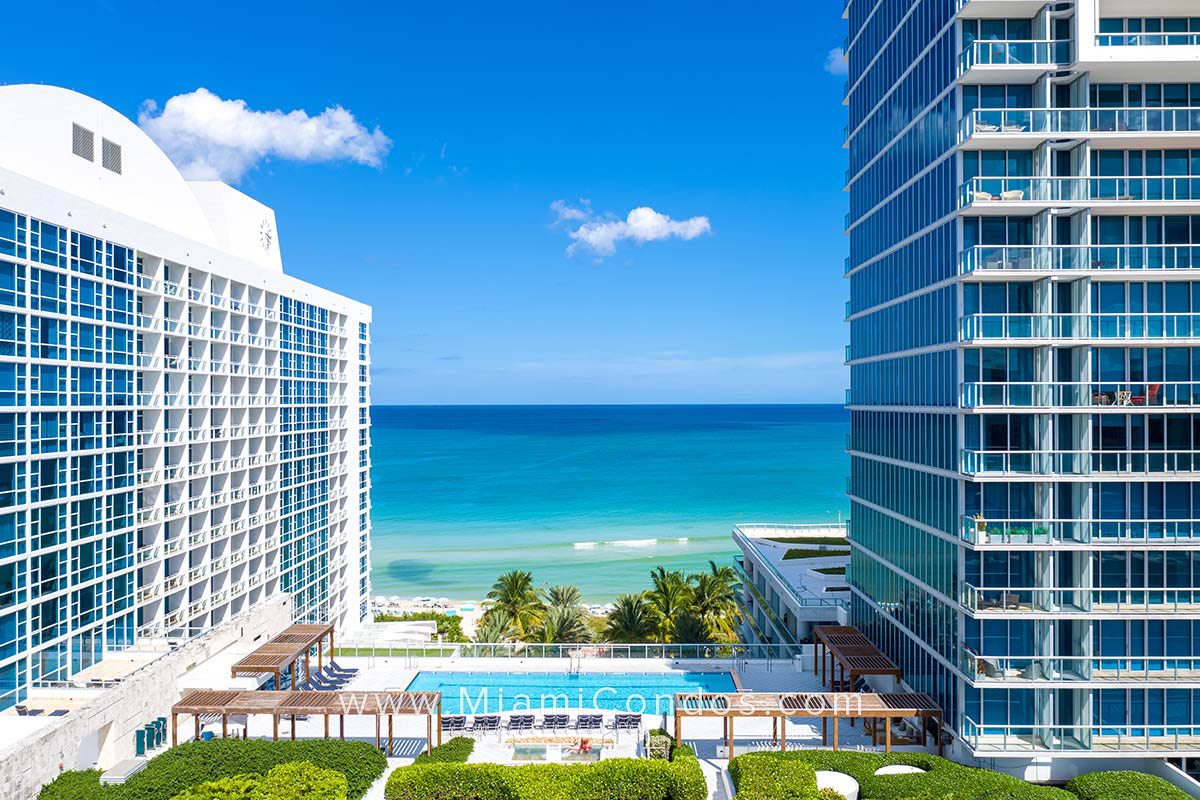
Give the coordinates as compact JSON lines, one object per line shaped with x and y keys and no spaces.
{"x":1000,"y":195}
{"x":1014,"y":125}
{"x":1096,"y":395}
{"x":1121,"y":669}
{"x":1155,"y":326}
{"x":1006,"y":532}
{"x":1055,"y":258}
{"x":1147,"y":39}
{"x":1080,"y":462}
{"x":1035,"y":54}
{"x":1157,"y":740}
{"x":1051,"y":600}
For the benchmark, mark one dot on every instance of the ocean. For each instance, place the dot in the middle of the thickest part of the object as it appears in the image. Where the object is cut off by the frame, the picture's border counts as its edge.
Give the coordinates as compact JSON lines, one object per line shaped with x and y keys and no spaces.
{"x":595,"y":496}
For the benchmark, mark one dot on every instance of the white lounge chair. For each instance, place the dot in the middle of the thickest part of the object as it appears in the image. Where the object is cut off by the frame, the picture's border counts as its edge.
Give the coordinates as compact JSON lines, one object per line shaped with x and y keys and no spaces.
{"x":979,"y":196}
{"x":1013,"y":194}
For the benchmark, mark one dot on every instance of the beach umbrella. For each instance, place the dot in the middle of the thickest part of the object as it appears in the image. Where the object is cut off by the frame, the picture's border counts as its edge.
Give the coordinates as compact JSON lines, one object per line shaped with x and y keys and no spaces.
{"x":443,"y":599}
{"x":395,"y":599}
{"x":380,"y":599}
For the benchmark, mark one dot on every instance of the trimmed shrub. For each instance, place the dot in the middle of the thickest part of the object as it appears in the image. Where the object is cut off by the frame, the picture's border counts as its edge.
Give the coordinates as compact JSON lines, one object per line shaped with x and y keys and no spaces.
{"x":188,"y":764}
{"x":239,"y":787}
{"x":830,"y":794}
{"x":941,"y":779}
{"x":455,"y":751}
{"x":612,"y":779}
{"x":300,"y":780}
{"x":772,"y":779}
{"x":1124,"y":785}
{"x":659,"y":745}
{"x":74,"y":785}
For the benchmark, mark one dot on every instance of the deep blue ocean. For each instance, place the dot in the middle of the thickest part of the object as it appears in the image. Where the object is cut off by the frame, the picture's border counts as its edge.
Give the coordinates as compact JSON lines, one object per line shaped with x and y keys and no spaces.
{"x":596,"y":496}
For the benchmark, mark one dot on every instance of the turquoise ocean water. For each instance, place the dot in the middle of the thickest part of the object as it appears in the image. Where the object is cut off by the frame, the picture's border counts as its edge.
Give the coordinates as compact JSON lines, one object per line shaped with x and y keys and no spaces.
{"x":596,"y":496}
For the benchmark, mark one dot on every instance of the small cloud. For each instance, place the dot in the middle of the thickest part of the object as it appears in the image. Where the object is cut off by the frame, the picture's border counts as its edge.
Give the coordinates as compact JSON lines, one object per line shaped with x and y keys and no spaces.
{"x":569,"y":213}
{"x":642,"y":224}
{"x":210,"y":138}
{"x":836,"y":63}
{"x":443,"y":156}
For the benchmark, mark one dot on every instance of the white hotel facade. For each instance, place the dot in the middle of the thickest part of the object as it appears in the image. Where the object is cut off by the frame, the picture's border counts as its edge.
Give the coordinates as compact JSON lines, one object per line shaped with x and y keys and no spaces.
{"x":1024,"y":273}
{"x":184,"y":429}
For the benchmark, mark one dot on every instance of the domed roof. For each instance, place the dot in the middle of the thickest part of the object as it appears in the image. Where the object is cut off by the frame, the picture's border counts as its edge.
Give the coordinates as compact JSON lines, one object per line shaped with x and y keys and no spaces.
{"x":37,"y":139}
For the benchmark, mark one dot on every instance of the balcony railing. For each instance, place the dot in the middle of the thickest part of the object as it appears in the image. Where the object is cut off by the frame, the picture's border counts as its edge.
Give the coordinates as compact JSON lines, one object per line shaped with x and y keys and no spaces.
{"x":995,"y":52}
{"x":1080,"y":462}
{"x":1121,"y":669}
{"x":1080,"y":326}
{"x":1076,"y":189}
{"x":1015,"y":121}
{"x":1072,"y":257}
{"x":1147,"y":39}
{"x":1158,"y":740}
{"x":1080,"y":395}
{"x":1051,"y":600}
{"x":983,"y":531}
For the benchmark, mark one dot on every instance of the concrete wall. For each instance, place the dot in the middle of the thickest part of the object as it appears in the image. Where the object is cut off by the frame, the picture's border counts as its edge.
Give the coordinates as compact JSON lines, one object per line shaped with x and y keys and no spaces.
{"x":104,"y":728}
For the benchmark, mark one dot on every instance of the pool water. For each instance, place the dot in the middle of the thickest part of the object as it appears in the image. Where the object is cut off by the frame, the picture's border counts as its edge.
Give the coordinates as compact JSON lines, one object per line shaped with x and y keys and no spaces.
{"x":637,"y":692}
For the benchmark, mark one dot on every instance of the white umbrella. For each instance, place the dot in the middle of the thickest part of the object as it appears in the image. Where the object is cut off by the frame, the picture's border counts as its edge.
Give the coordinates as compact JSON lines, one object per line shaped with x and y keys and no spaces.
{"x":380,"y":599}
{"x":395,"y":599}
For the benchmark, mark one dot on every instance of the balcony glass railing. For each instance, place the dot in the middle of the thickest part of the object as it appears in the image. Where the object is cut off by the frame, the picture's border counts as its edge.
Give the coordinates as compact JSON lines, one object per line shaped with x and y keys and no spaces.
{"x":1078,"y":120}
{"x":1052,"y":600}
{"x":984,"y":531}
{"x":1079,"y":189}
{"x":1147,"y":39}
{"x":1080,"y":395}
{"x":1080,"y":326}
{"x":1080,"y":462}
{"x":1072,"y":257}
{"x":1158,"y":740}
{"x":989,"y":52}
{"x":1122,"y":669}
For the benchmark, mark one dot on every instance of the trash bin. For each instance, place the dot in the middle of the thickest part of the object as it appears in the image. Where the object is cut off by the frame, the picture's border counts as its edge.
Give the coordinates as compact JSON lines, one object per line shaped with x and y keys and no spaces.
{"x":141,"y":741}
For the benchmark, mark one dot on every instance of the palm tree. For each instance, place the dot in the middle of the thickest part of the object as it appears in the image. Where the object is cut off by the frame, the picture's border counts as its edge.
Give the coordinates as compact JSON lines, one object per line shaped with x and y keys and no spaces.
{"x":564,"y":625}
{"x":631,"y":620}
{"x":714,"y":599}
{"x":564,"y":596}
{"x":496,"y":626}
{"x":513,"y":593}
{"x":670,"y":599}
{"x":691,"y":629}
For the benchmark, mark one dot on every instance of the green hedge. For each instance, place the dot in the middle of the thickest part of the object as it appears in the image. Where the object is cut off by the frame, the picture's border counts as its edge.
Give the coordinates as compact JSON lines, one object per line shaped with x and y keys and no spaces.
{"x":455,"y":751}
{"x":240,"y":787}
{"x":301,"y":780}
{"x":942,"y":778}
{"x":795,"y":553}
{"x":1122,"y":785}
{"x":182,"y":767}
{"x":611,"y":779}
{"x":773,"y":779}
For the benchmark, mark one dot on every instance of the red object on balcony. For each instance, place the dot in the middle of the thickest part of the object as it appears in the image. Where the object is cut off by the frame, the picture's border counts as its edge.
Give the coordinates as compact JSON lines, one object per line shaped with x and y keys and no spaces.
{"x":1147,"y":399}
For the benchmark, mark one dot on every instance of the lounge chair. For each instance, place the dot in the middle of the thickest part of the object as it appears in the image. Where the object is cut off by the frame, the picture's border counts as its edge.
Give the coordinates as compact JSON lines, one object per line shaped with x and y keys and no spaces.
{"x":59,"y":712}
{"x":323,"y":683}
{"x":489,"y":724}
{"x":555,"y":722}
{"x":627,"y":722}
{"x":1149,"y":397}
{"x":1013,"y":194}
{"x":589,"y":722}
{"x":454,"y":724}
{"x":520,"y":722}
{"x":980,"y":196}
{"x":986,"y":127}
{"x":1012,"y":128}
{"x":347,"y":671}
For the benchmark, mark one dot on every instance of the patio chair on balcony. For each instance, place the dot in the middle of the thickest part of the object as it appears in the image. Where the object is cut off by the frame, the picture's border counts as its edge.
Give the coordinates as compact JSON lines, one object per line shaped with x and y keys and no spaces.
{"x":1149,"y":397}
{"x":1013,"y":195}
{"x":979,"y":196}
{"x":986,"y":127}
{"x":1014,"y":128}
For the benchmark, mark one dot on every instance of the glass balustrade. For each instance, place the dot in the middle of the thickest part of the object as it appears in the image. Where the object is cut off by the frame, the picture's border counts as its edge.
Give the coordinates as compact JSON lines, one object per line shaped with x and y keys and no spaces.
{"x":1074,"y":189}
{"x":1147,"y":39}
{"x":1078,"y":120}
{"x":1080,"y":326}
{"x":1159,"y":739}
{"x":1078,"y":257}
{"x":1126,"y":669}
{"x":997,"y":52}
{"x":1080,"y":462}
{"x":982,"y":530}
{"x":1095,"y":394}
{"x":1067,"y":600}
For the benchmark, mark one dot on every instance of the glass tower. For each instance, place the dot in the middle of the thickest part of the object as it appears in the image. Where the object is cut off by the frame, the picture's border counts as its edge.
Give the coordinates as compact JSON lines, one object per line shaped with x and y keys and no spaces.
{"x":184,"y":429}
{"x":1025,"y":367}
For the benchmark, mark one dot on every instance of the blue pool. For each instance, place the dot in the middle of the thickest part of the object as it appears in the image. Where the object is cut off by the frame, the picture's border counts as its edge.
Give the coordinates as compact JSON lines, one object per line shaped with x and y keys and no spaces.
{"x":639,"y":692}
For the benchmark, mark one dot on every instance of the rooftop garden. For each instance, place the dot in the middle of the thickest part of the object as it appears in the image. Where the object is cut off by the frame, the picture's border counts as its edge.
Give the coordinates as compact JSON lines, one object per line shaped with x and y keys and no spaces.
{"x":831,"y":570}
{"x":833,"y":541}
{"x":795,"y":553}
{"x":235,"y":769}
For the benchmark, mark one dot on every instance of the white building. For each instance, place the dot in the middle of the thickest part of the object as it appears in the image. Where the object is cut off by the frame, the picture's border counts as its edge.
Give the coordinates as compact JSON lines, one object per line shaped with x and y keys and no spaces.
{"x":184,"y":428}
{"x":793,"y":577}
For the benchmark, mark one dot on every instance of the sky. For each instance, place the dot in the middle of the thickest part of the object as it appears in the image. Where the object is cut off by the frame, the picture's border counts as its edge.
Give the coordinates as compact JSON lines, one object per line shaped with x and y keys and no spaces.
{"x":544,"y":202}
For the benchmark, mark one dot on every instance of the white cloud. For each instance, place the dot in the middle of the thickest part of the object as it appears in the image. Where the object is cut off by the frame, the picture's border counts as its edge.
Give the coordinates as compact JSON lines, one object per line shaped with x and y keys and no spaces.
{"x":210,"y":138}
{"x":836,"y":63}
{"x":642,"y":224}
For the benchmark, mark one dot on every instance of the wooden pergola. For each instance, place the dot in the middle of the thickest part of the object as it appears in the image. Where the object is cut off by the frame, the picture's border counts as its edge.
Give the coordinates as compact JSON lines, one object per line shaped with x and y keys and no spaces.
{"x":826,"y":705}
{"x":847,"y":648}
{"x":290,"y":704}
{"x":283,"y":652}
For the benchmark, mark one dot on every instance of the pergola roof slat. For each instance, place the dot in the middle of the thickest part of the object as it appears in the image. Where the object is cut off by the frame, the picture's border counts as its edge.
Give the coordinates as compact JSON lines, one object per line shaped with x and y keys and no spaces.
{"x":286,"y":703}
{"x":283,"y":650}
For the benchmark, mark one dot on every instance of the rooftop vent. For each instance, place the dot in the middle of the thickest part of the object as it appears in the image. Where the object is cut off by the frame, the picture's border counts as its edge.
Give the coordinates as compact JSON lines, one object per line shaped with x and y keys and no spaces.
{"x":110,"y":155}
{"x":83,"y":142}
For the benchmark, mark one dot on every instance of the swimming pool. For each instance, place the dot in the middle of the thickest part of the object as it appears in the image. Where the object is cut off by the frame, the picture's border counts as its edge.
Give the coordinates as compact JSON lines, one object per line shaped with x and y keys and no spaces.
{"x":492,"y":692}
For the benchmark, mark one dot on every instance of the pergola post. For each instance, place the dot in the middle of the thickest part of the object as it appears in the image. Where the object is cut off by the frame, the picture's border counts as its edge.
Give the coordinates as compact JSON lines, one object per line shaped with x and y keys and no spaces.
{"x":835,"y":733}
{"x":729,"y":734}
{"x":326,"y":726}
{"x":341,"y":726}
{"x":224,"y":726}
{"x":320,"y":654}
{"x":774,"y":730}
{"x":428,"y":732}
{"x":196,"y":717}
{"x":678,"y":724}
{"x":378,"y":746}
{"x":824,"y":731}
{"x":939,"y":732}
{"x":439,"y":713}
{"x":887,"y":734}
{"x":307,"y":669}
{"x":174,"y":729}
{"x":390,"y":742}
{"x":275,"y":727}
{"x":293,"y":727}
{"x":783,"y":734}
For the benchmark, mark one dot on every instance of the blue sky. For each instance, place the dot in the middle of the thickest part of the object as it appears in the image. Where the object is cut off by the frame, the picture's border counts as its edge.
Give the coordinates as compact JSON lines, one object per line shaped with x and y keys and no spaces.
{"x":723,"y":111}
